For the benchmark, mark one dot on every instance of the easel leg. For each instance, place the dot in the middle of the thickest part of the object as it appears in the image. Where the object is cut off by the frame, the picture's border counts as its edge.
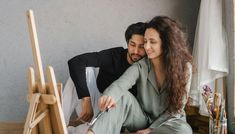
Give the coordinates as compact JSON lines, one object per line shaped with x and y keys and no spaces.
{"x":31,"y":113}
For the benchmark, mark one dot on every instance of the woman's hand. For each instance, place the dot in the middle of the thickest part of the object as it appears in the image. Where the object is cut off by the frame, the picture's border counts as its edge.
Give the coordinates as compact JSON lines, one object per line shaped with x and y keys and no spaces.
{"x":144,"y":131}
{"x":106,"y":102}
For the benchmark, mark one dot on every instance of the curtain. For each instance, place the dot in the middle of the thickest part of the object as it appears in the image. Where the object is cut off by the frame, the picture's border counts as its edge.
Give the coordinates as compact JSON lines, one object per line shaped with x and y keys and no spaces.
{"x":210,"y":50}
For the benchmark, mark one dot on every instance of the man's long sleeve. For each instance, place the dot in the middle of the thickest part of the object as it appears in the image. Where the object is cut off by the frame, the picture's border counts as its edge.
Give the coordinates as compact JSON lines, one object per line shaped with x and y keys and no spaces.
{"x":78,"y":64}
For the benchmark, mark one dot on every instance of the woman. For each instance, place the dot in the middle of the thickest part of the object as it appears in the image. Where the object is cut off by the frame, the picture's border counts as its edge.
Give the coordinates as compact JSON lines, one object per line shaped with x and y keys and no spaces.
{"x":163,"y":81}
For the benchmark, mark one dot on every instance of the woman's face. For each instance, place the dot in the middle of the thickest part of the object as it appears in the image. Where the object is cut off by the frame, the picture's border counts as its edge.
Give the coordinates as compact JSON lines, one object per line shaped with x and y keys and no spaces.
{"x":152,"y":43}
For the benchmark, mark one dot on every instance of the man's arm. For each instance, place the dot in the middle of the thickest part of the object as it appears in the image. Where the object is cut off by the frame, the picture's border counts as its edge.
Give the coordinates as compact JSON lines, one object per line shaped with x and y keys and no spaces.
{"x":77,"y":69}
{"x":78,"y":64}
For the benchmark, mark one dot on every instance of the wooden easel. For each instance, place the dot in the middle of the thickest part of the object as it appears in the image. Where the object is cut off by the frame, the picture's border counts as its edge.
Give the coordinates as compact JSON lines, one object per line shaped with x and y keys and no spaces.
{"x":45,"y":114}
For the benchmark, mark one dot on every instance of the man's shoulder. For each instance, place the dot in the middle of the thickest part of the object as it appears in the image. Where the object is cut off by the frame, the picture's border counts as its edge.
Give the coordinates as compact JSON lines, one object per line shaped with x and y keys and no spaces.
{"x":115,"y":52}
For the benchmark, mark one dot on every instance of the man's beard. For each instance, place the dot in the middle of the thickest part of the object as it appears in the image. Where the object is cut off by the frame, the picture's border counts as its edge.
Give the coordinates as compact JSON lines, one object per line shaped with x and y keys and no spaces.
{"x":134,"y":57}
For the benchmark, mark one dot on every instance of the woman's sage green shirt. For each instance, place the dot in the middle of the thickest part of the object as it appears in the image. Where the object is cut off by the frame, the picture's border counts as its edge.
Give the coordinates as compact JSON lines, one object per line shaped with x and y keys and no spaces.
{"x":152,"y":100}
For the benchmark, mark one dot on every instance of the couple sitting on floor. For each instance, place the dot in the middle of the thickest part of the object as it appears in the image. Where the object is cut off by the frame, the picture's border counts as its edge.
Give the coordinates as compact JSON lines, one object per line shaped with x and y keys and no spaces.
{"x":146,"y":85}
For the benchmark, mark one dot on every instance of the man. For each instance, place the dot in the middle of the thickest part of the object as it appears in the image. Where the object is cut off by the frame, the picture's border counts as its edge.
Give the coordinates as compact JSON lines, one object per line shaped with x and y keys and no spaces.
{"x":112,"y":63}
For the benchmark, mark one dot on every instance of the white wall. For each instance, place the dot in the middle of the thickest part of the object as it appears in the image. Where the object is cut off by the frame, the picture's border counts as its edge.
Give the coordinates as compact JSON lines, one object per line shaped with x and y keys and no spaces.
{"x":65,"y":29}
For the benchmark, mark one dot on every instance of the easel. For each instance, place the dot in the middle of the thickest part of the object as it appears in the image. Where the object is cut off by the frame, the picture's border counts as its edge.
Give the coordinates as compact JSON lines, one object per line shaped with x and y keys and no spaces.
{"x":45,"y":114}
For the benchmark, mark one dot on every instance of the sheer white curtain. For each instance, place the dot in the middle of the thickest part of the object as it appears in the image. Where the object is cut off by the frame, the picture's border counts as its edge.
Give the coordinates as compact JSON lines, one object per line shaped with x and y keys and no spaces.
{"x":210,"y":50}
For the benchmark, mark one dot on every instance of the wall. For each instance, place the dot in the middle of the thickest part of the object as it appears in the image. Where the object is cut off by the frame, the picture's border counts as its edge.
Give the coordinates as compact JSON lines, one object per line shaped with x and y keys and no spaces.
{"x":65,"y":29}
{"x":229,"y":23}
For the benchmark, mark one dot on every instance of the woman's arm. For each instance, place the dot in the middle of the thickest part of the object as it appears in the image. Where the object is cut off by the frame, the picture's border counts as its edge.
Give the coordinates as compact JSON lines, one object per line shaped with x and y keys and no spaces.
{"x":119,"y":87}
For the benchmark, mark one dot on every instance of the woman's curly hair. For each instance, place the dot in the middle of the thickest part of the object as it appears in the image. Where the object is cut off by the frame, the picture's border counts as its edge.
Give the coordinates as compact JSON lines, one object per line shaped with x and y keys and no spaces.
{"x":175,"y":56}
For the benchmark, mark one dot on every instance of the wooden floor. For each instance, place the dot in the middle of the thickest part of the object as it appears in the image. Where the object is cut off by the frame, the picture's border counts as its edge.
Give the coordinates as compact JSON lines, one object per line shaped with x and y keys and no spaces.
{"x":17,"y":127}
{"x":11,"y":127}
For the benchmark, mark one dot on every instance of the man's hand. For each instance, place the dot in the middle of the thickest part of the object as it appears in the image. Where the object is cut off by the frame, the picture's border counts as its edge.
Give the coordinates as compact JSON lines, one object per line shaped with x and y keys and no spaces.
{"x":87,"y":111}
{"x":106,"y":102}
{"x":144,"y":131}
{"x":85,"y":115}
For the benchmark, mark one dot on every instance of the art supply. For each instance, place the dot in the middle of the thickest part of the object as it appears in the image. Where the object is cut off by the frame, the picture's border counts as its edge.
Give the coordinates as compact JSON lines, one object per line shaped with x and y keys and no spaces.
{"x":97,"y":117}
{"x":216,"y":108}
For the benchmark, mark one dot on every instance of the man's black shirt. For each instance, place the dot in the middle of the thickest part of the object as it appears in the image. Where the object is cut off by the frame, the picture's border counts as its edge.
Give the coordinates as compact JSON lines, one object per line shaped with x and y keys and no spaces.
{"x":112,"y":64}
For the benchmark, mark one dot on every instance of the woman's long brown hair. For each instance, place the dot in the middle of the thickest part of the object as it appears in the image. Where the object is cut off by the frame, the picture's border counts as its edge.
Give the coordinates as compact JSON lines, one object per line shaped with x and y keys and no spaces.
{"x":175,"y":57}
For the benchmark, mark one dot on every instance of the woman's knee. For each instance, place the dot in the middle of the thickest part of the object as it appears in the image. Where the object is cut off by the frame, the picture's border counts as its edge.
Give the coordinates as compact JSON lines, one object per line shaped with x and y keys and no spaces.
{"x":177,"y":126}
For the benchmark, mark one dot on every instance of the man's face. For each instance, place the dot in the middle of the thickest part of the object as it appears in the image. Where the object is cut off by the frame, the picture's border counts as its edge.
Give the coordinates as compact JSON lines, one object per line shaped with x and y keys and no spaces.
{"x":135,"y":48}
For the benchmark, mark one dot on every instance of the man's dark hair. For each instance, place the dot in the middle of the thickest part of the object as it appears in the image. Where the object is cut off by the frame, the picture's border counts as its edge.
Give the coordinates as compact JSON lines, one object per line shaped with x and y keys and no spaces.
{"x":136,"y":28}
